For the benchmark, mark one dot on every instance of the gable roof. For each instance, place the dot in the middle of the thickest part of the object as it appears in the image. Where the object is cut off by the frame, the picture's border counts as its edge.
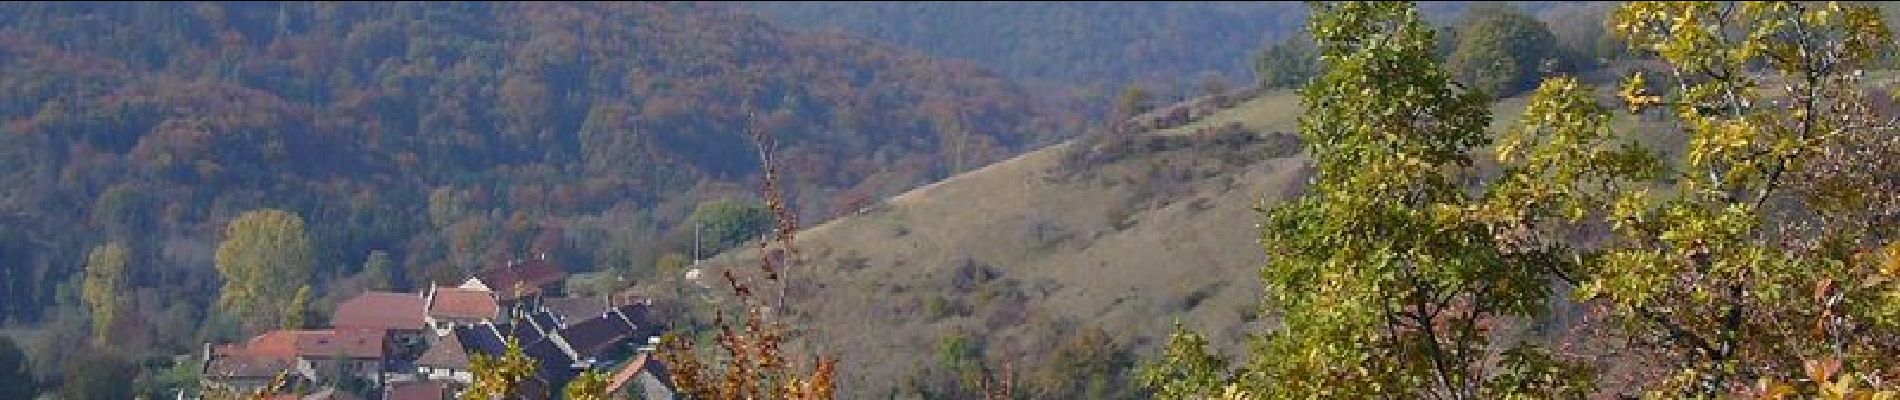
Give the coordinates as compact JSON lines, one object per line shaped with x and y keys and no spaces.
{"x":278,"y":343}
{"x":629,"y":373}
{"x":347,"y":343}
{"x":594,"y":337}
{"x":417,"y":391}
{"x":385,"y":310}
{"x":517,"y":279}
{"x":445,"y":353}
{"x":574,"y":309}
{"x":241,"y":364}
{"x":481,"y":339}
{"x":454,"y":302}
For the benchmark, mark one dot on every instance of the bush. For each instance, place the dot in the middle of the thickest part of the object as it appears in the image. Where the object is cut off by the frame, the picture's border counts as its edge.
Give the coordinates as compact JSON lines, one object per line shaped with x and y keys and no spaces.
{"x":1502,"y":51}
{"x":1288,"y":64}
{"x":725,"y":223}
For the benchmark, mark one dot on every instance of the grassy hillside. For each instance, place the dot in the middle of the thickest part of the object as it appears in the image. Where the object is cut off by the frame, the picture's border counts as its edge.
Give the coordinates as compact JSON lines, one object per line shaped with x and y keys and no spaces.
{"x":1017,"y":257}
{"x":1022,"y":254}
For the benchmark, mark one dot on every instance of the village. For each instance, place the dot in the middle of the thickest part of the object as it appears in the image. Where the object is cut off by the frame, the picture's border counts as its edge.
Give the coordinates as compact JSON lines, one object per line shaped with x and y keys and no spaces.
{"x":418,"y":346}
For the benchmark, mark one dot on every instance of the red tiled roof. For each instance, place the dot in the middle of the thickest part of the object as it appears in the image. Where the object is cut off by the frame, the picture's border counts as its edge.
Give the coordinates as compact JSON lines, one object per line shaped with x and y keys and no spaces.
{"x":384,"y":310}
{"x":453,"y":302}
{"x":350,"y":343}
{"x":517,"y":279}
{"x":418,"y":391}
{"x":278,"y":343}
{"x":626,"y":373}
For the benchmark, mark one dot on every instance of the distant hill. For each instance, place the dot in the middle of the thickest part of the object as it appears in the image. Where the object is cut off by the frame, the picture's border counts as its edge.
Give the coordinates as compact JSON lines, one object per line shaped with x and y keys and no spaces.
{"x":1072,"y":42}
{"x":448,"y":134}
{"x":1079,"y":43}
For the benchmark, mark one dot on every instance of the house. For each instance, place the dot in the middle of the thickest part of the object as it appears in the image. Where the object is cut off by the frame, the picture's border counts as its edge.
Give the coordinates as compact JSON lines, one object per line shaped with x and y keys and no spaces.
{"x":446,"y":360}
{"x":644,"y":375}
{"x":418,"y":391}
{"x":353,"y":352}
{"x":569,"y":310}
{"x":299,"y":355}
{"x":401,"y":314}
{"x":383,"y":310}
{"x":606,"y":337}
{"x":449,"y":307}
{"x":519,"y":280}
{"x":235,"y":368}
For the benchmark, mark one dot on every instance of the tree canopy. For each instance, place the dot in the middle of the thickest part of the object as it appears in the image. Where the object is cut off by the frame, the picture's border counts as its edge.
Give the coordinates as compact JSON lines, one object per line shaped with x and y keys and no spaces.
{"x":1502,"y":51}
{"x":1744,"y":250}
{"x":727,"y":222}
{"x":265,"y":258}
{"x":104,"y":286}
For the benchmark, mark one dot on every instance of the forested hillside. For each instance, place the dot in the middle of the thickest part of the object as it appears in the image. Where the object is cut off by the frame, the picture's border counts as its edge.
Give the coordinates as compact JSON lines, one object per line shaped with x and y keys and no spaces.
{"x":445,"y":135}
{"x":1177,"y":45}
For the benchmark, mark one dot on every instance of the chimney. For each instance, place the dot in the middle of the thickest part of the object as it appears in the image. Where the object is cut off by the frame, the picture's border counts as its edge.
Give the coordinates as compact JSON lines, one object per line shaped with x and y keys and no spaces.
{"x":653,"y":343}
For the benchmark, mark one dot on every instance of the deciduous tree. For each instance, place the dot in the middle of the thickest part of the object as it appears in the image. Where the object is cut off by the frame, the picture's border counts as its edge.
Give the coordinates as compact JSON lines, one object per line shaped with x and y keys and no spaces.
{"x":105,"y":282}
{"x":1750,"y":264}
{"x":1501,"y":50}
{"x":265,"y":257}
{"x":590,"y":385}
{"x":499,"y":377}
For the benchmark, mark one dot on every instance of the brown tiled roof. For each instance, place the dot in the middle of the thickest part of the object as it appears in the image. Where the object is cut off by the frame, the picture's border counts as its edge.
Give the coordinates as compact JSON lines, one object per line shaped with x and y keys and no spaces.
{"x":384,"y":310}
{"x":575,"y":309}
{"x":524,"y":278}
{"x":452,"y":302}
{"x":242,"y":364}
{"x":418,"y":391}
{"x":350,"y":343}
{"x":446,"y":353}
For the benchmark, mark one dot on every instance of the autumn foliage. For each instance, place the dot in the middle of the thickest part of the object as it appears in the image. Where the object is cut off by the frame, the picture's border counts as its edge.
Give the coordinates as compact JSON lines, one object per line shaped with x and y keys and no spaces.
{"x":752,"y":363}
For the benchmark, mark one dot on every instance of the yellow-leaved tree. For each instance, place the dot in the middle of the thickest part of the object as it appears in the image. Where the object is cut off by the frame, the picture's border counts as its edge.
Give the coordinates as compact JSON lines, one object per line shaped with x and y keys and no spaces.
{"x":105,"y":281}
{"x":265,"y":258}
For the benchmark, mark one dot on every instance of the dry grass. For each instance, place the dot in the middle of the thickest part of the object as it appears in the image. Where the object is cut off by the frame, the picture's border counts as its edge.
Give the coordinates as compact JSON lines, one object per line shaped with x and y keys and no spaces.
{"x":1022,"y":252}
{"x":1032,"y":251}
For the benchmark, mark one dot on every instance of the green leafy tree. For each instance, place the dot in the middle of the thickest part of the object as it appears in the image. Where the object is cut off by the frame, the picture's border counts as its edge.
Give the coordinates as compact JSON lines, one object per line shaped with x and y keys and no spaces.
{"x":105,"y":281}
{"x":590,"y":385}
{"x":1133,"y":101}
{"x":1749,"y":266}
{"x":725,"y":223}
{"x":1368,"y":271}
{"x":1502,"y":50}
{"x":380,"y":270}
{"x":1385,"y":284}
{"x":94,"y":374}
{"x":265,"y":258}
{"x":296,"y":311}
{"x":1187,"y":369}
{"x":1288,"y":64}
{"x":499,"y":377}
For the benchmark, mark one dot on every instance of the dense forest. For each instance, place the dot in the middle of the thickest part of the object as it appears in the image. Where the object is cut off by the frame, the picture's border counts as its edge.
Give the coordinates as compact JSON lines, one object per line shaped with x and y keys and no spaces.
{"x":440,"y":137}
{"x":1090,"y":47}
{"x":193,"y":172}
